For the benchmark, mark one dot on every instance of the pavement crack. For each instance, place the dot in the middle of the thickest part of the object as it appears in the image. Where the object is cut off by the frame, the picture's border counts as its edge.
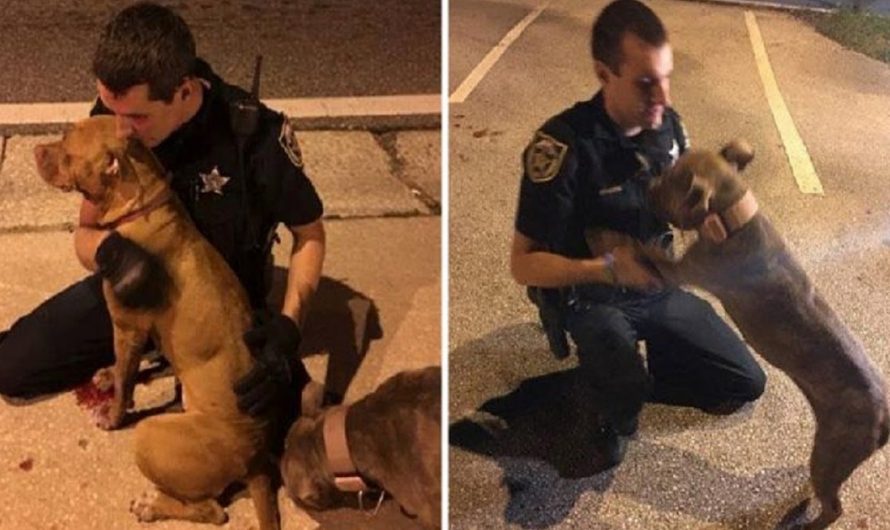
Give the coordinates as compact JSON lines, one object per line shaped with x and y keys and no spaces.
{"x":388,"y":142}
{"x":3,"y":153}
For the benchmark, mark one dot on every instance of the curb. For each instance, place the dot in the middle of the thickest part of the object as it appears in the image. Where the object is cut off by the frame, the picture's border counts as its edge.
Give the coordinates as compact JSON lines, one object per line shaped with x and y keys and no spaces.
{"x":373,"y":124}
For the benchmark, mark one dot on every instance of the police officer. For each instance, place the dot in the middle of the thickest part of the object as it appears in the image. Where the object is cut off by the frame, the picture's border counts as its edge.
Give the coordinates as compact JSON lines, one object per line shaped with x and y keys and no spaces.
{"x":237,"y":186}
{"x":587,"y":169}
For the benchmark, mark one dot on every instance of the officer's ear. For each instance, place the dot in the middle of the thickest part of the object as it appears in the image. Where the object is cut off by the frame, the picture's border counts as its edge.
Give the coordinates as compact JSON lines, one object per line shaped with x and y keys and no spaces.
{"x":603,"y":72}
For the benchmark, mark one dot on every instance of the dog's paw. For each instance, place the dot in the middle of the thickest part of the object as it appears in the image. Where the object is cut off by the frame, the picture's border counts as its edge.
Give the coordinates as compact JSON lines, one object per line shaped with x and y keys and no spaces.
{"x":143,"y":508}
{"x":109,"y":416}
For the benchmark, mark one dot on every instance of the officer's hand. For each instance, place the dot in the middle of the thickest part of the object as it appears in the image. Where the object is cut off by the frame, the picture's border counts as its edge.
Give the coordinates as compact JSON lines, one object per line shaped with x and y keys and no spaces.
{"x":631,"y":269}
{"x":138,"y":278}
{"x":273,"y":343}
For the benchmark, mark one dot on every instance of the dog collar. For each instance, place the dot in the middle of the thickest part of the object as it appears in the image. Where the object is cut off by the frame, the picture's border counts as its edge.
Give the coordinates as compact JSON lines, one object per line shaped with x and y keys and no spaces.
{"x":718,"y":226}
{"x":346,"y":476}
{"x":152,"y":205}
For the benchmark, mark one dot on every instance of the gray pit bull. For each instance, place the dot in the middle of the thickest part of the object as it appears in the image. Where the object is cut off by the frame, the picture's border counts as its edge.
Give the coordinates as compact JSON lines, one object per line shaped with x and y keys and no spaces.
{"x":742,"y":260}
{"x":394,"y":441}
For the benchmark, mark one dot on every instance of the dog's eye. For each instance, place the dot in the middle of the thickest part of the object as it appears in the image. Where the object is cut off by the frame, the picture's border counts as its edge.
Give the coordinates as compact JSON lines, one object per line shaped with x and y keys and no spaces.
{"x":694,"y":197}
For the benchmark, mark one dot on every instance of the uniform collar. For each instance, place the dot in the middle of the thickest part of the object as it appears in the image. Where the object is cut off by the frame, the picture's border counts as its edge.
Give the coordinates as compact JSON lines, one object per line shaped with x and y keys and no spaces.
{"x":606,"y":129}
{"x":196,"y":128}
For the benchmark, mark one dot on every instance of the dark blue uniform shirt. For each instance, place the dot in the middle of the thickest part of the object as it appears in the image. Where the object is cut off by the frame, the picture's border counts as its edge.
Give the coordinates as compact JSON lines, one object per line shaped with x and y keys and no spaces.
{"x":234,"y":211}
{"x":581,"y":172}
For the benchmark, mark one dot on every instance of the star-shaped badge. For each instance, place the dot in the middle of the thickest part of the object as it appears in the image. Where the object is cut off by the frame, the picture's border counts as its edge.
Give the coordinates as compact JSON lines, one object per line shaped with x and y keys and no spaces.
{"x":213,"y":181}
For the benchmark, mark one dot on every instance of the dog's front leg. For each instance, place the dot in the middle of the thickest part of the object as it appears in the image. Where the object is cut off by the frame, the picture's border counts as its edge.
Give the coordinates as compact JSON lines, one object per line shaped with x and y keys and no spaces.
{"x":129,"y":343}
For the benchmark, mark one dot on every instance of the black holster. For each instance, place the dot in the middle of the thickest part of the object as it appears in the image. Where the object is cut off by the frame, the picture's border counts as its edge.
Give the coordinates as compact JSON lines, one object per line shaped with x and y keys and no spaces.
{"x":551,"y":312}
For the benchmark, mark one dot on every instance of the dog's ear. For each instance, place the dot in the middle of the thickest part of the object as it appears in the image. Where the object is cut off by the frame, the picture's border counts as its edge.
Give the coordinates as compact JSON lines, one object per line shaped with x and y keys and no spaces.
{"x":738,"y":153}
{"x":312,"y":399}
{"x":698,"y":199}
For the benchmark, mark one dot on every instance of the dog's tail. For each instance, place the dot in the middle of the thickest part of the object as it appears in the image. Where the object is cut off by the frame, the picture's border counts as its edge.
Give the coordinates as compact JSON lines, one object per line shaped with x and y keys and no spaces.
{"x":265,"y":499}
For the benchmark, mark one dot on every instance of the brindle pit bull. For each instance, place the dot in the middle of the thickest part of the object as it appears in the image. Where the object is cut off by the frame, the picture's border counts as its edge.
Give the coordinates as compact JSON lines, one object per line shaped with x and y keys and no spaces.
{"x":393,"y":436}
{"x":190,"y":456}
{"x":743,"y":261}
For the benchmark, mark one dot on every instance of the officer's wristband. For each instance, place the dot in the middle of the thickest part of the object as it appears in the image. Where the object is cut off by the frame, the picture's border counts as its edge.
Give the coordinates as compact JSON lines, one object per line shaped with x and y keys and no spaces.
{"x":609,"y":261}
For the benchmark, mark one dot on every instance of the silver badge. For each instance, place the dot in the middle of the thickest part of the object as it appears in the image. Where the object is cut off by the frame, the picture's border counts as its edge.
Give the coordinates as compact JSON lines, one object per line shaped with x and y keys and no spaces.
{"x":288,"y":140}
{"x":674,"y":152}
{"x":213,"y":181}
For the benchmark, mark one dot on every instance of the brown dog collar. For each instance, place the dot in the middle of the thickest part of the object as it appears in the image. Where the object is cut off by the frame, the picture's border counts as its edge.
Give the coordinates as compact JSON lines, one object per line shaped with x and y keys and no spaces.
{"x":152,"y":205}
{"x":718,"y":226}
{"x":346,"y":476}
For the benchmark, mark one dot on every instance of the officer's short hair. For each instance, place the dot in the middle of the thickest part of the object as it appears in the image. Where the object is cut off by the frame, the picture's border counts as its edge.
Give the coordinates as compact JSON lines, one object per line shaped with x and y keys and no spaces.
{"x":618,"y":18}
{"x":145,"y":43}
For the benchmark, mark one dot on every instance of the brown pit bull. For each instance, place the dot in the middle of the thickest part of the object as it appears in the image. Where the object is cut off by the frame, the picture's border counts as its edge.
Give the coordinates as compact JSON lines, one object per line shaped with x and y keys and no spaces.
{"x":190,"y":456}
{"x":394,"y":441}
{"x":741,"y":259}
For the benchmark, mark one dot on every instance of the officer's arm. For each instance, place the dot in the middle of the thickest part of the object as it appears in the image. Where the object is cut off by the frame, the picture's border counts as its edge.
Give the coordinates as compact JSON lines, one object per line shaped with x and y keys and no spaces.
{"x":304,"y":270}
{"x":86,"y":236}
{"x":531,"y":265}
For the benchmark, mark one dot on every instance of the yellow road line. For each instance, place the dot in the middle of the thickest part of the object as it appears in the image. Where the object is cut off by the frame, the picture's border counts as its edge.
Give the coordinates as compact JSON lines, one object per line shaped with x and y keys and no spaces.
{"x":798,"y":157}
{"x":463,"y":91}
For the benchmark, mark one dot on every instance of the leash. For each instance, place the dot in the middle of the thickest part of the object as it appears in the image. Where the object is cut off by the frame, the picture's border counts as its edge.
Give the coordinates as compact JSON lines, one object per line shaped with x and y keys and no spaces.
{"x":152,"y":205}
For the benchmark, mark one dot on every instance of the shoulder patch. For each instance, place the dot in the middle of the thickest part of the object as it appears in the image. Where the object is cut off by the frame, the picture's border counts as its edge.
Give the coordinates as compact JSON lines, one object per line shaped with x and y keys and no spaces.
{"x":544,"y":157}
{"x":288,"y":140}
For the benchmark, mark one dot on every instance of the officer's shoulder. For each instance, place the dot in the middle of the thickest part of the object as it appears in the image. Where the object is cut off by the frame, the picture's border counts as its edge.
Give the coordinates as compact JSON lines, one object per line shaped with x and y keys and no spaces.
{"x":545,"y":155}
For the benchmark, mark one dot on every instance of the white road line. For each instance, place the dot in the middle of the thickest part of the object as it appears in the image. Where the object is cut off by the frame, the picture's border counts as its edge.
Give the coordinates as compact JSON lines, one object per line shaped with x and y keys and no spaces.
{"x":798,"y":157}
{"x":463,"y":91}
{"x":42,"y":113}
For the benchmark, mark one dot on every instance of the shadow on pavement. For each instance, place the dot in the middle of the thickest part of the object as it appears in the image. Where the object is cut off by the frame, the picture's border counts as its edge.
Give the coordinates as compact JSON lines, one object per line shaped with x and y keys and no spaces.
{"x":341,"y":324}
{"x":540,"y":435}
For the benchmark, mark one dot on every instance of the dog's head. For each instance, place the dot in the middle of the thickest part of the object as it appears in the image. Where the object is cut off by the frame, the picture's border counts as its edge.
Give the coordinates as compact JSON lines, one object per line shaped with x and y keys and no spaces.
{"x":699,"y":183}
{"x":307,"y":479}
{"x":118,"y":175}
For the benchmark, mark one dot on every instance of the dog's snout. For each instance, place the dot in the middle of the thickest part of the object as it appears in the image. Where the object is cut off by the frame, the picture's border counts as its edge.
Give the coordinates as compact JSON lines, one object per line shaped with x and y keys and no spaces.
{"x":40,"y":154}
{"x":46,"y":164}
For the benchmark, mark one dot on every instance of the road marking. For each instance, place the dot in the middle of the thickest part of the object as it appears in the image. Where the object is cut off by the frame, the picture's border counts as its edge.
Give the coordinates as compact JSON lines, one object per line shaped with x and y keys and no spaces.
{"x":798,"y":157}
{"x":463,"y":91}
{"x":42,"y":113}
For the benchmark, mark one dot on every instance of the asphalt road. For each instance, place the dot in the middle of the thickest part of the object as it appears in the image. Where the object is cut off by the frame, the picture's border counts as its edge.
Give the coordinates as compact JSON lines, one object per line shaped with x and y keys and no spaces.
{"x":518,"y":458}
{"x":313,"y":48}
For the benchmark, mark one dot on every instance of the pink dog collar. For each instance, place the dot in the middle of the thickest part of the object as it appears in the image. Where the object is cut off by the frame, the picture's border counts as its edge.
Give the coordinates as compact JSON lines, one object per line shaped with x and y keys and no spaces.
{"x":346,"y":476}
{"x":718,"y":226}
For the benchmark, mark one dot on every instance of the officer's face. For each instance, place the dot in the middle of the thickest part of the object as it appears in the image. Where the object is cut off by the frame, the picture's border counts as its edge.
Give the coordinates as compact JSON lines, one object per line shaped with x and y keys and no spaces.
{"x":152,"y":121}
{"x":638,"y":93}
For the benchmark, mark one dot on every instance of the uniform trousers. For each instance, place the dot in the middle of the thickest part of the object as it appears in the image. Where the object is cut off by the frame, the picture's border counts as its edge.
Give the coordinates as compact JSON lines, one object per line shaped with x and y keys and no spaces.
{"x":693,"y":358}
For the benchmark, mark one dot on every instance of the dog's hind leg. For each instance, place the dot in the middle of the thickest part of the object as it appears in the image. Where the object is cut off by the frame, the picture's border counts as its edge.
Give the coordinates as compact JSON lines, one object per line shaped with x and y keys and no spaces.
{"x":163,"y":506}
{"x":837,"y":451}
{"x":190,"y":458}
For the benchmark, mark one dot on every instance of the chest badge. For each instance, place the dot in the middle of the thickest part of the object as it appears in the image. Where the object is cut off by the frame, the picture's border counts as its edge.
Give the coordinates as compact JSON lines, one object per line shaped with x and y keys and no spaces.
{"x":213,"y":182}
{"x":674,"y":152}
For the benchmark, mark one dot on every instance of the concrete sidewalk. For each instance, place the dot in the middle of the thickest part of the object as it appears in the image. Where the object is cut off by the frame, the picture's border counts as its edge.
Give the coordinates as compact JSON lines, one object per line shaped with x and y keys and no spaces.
{"x":381,"y":194}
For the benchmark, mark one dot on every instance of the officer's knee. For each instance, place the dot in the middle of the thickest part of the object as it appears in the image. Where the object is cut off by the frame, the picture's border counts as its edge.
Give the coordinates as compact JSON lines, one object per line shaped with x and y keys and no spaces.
{"x":14,"y":376}
{"x":754,"y":384}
